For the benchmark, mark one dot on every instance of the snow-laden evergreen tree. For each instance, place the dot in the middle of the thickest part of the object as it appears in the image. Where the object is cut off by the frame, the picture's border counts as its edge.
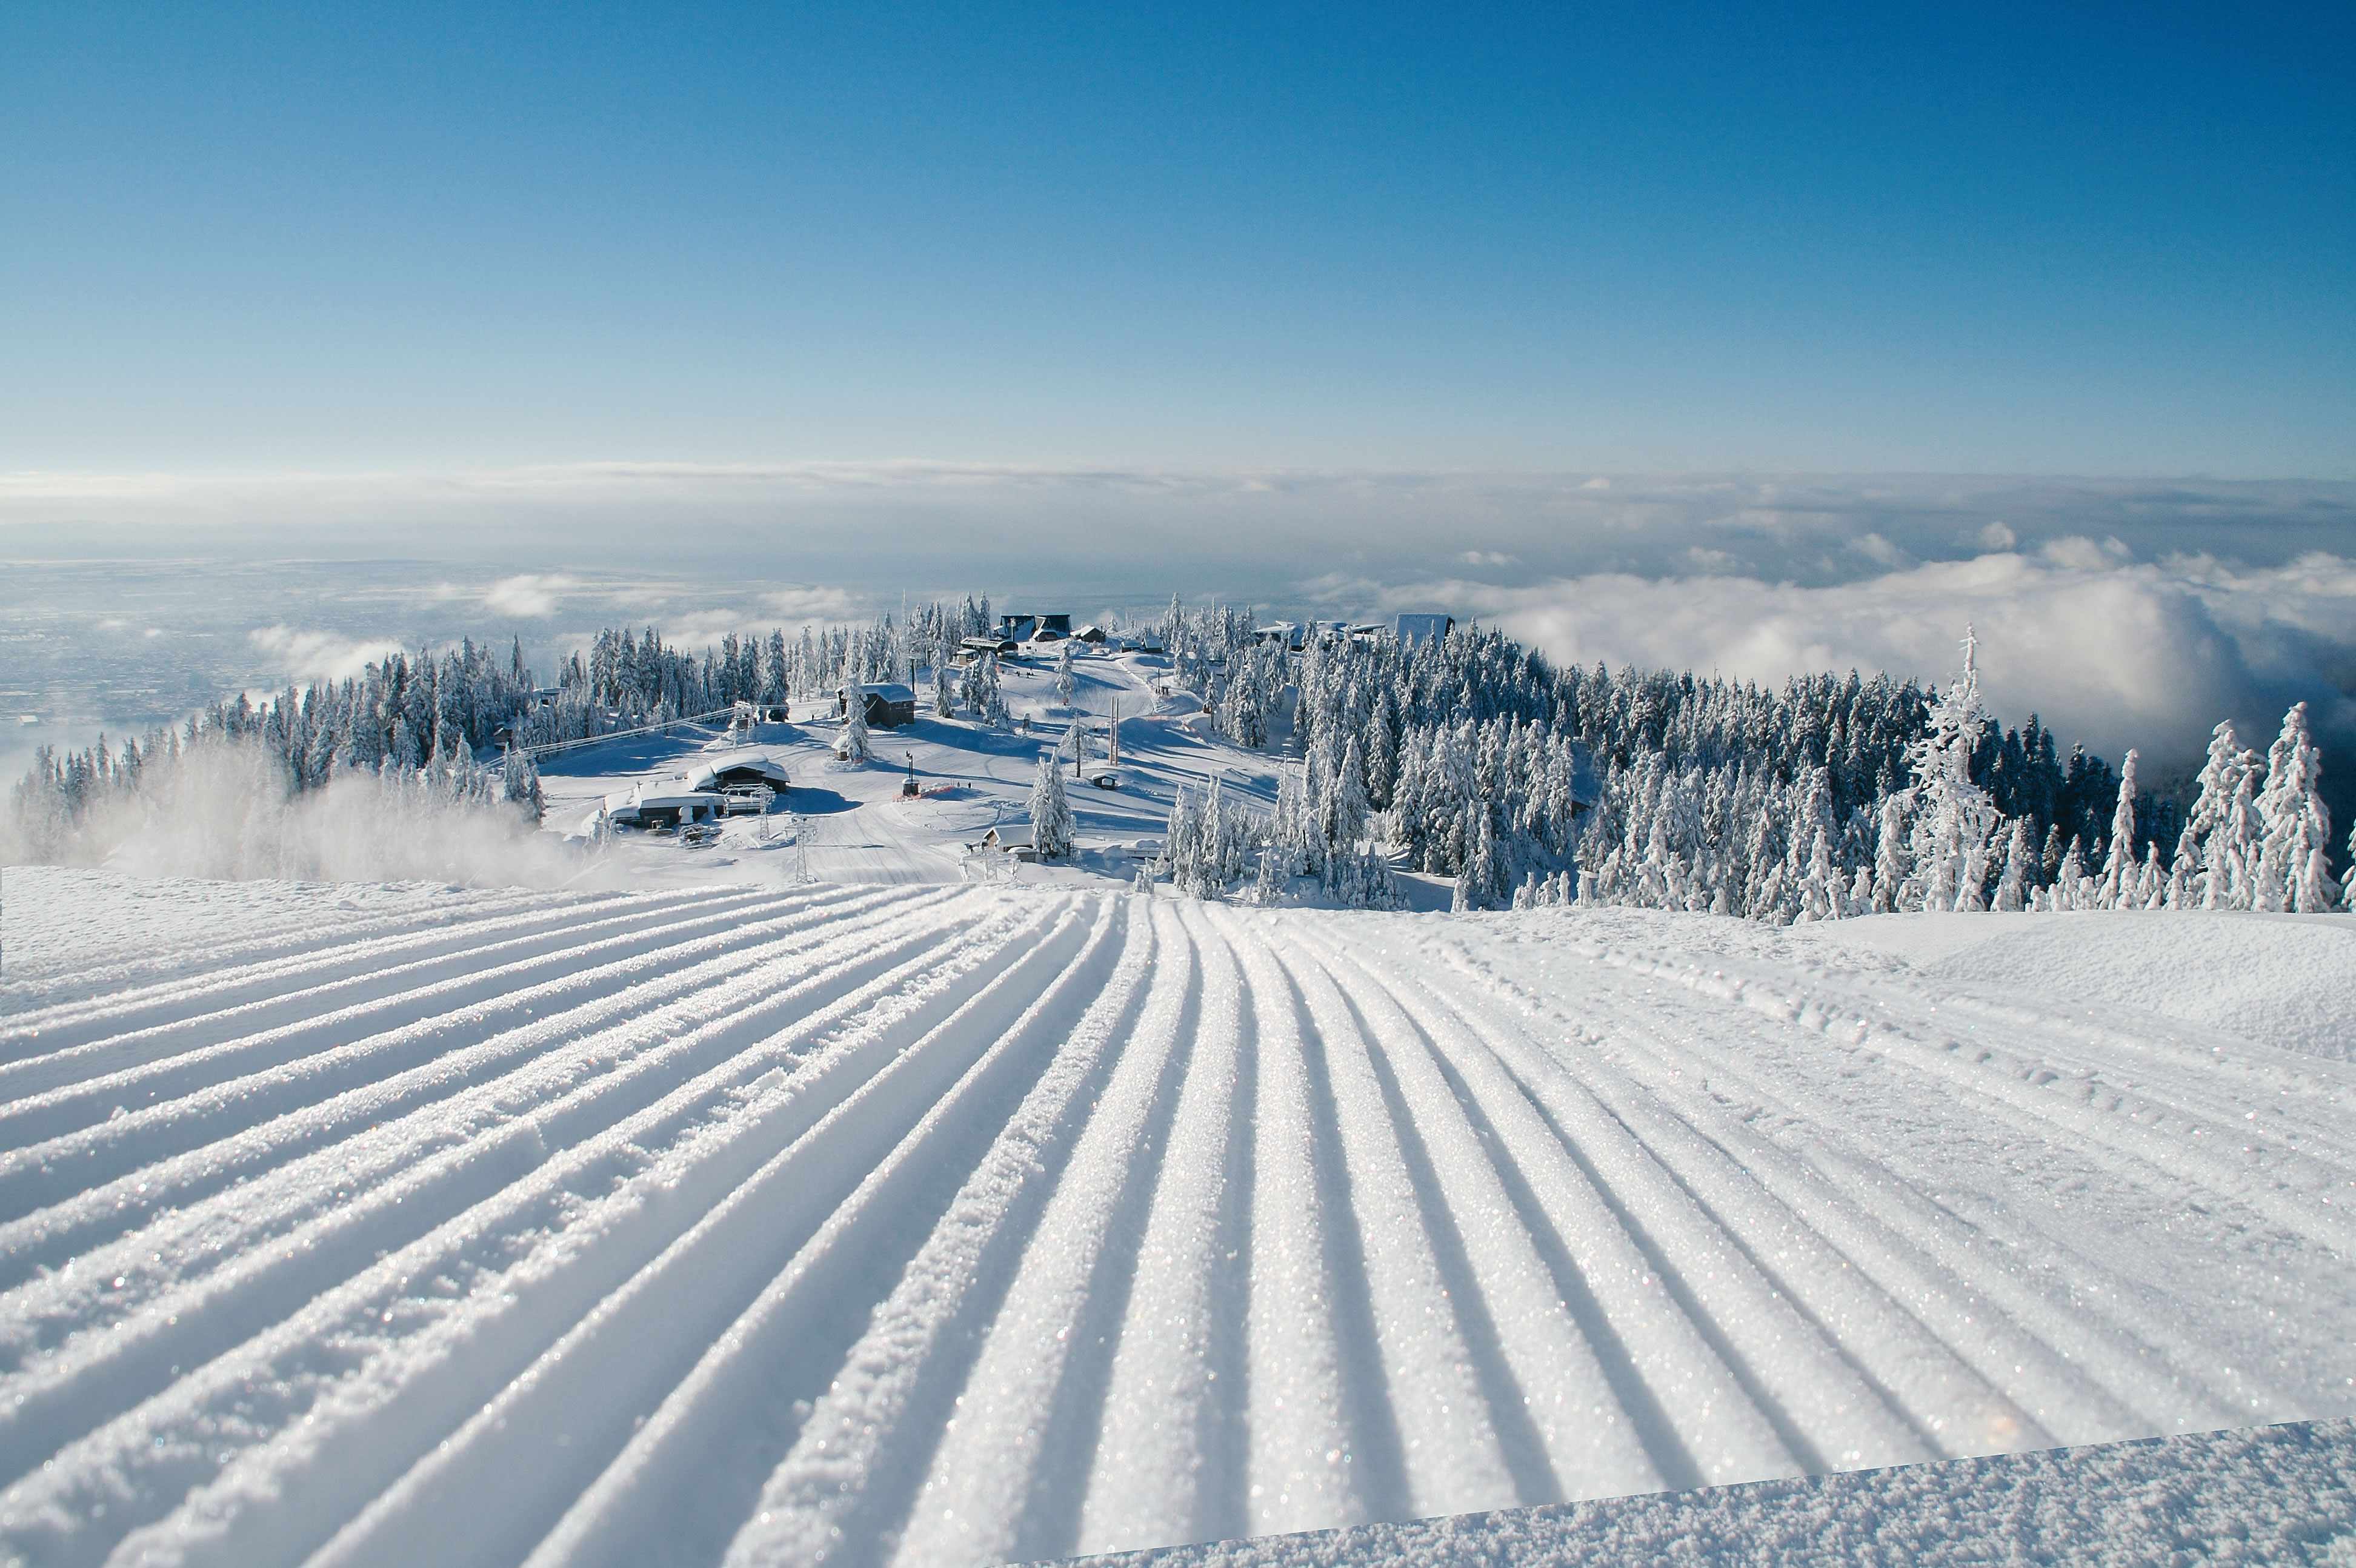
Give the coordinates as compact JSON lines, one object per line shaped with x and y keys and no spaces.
{"x":2348,"y":879}
{"x":2119,"y":871}
{"x":1485,"y":875}
{"x":2018,"y":855}
{"x":1066,"y":681}
{"x":1268,"y":891}
{"x":853,"y":744}
{"x":1893,"y":865}
{"x":1051,"y":811}
{"x":2200,"y":850}
{"x":1346,"y":805}
{"x":520,"y":782}
{"x":2238,"y":841}
{"x":1821,"y":893}
{"x":944,"y":690}
{"x":1953,"y":815}
{"x":2070,"y":883}
{"x":2295,"y":828}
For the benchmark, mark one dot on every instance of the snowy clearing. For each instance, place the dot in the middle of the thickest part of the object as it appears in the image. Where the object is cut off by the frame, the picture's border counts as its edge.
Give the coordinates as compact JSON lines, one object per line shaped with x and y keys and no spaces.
{"x":932,"y":1224}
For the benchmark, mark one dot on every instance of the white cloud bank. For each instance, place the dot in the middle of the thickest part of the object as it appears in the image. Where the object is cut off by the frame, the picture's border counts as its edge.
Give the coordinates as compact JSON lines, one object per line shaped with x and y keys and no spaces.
{"x":531,"y":595}
{"x":318,"y":656}
{"x":2117,"y":651}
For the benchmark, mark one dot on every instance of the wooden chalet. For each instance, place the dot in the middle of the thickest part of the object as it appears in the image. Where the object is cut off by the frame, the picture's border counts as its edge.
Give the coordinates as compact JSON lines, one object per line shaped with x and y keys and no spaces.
{"x":889,"y":703}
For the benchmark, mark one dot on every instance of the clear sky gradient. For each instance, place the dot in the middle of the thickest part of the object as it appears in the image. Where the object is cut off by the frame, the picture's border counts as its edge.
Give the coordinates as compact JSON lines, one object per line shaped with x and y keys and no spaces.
{"x":2042,"y":239}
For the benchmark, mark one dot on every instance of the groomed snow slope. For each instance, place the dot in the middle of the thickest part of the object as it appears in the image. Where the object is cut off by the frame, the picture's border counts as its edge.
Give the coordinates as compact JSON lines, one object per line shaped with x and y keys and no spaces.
{"x":2271,"y":1497}
{"x":931,"y":1225}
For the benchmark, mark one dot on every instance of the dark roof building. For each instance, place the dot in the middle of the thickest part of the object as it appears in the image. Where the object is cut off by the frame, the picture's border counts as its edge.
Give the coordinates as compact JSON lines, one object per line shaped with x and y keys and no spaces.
{"x":1414,"y":629}
{"x":889,"y":704}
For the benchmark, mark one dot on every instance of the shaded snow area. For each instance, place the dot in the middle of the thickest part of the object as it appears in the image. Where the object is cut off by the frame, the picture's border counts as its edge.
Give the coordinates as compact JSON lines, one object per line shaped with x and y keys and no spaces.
{"x":2277,"y":1495}
{"x":914,"y":1223}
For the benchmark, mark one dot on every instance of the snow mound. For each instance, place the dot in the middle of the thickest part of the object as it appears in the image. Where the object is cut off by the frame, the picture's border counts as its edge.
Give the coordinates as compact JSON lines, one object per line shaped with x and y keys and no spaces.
{"x":2286,"y":981}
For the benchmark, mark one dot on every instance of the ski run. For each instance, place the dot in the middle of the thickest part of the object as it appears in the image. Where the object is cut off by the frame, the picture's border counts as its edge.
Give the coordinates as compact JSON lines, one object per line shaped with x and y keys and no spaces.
{"x":923,"y":1224}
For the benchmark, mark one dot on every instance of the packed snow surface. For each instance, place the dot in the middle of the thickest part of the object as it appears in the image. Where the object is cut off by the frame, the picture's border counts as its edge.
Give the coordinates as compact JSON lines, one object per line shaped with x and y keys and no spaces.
{"x":936,"y":1224}
{"x":2272,"y":1497}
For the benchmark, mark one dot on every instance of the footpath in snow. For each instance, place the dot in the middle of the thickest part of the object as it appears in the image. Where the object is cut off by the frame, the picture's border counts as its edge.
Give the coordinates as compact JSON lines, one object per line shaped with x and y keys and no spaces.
{"x":921,"y":1224}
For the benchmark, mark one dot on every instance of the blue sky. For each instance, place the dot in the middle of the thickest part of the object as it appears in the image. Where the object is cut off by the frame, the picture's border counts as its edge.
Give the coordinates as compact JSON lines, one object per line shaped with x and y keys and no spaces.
{"x":416,"y":238}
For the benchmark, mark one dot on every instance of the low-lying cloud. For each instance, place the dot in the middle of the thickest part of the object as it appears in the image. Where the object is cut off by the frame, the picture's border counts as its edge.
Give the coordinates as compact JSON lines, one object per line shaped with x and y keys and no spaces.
{"x":2130,"y":611}
{"x":532,"y":595}
{"x":307,"y":655}
{"x":2119,"y":652}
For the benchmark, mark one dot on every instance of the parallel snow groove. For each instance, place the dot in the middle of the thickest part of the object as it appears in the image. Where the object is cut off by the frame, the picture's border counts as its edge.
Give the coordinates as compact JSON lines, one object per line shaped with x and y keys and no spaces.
{"x":917,"y":1225}
{"x":202,"y":985}
{"x":1164,"y":1442}
{"x":171,"y":1063}
{"x":2092,"y":1361}
{"x":335,"y":1220}
{"x":845,"y":1204}
{"x":326,"y":1150}
{"x":2017,"y":1090}
{"x":200,"y":961}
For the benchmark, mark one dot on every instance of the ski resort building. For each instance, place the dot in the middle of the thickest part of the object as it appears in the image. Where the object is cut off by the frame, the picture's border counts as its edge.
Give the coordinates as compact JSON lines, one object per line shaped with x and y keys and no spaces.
{"x":1034,"y":628}
{"x":1413,"y":629}
{"x":667,"y":803}
{"x":889,"y":704}
{"x":739,"y":772}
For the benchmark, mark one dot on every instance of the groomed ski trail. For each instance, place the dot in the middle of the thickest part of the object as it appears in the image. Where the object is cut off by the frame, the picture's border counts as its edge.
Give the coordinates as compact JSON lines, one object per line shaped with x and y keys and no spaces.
{"x":906,"y":1225}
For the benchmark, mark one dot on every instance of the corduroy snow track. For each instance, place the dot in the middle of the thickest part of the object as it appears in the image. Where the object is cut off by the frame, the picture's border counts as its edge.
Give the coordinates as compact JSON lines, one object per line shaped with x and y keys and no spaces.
{"x":927,"y":1225}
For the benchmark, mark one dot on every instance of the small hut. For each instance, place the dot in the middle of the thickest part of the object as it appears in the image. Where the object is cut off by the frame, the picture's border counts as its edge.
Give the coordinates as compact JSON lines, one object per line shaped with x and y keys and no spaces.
{"x":889,"y":704}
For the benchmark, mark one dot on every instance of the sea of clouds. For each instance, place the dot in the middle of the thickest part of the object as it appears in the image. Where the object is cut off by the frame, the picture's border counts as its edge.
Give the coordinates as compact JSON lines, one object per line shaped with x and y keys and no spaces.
{"x":2124,"y":612}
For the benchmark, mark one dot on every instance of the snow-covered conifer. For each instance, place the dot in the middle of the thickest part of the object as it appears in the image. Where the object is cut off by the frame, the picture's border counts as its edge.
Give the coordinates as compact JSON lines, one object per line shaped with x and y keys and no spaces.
{"x":2199,"y":849}
{"x":1347,"y":804}
{"x":2019,"y":854}
{"x":1954,"y":816}
{"x":2295,"y":826}
{"x":1066,"y":682}
{"x":1051,"y":811}
{"x":2348,"y":879}
{"x":1820,"y":891}
{"x":2236,"y":846}
{"x":1892,"y":864}
{"x":2070,"y":883}
{"x":853,"y":745}
{"x":2118,"y":887}
{"x":1268,"y":891}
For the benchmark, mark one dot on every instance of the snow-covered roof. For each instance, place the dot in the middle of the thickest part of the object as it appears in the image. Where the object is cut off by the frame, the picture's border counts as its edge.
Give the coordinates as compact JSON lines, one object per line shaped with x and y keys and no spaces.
{"x":1414,"y":629}
{"x":707,"y":777}
{"x":662,"y":794}
{"x":889,"y":690}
